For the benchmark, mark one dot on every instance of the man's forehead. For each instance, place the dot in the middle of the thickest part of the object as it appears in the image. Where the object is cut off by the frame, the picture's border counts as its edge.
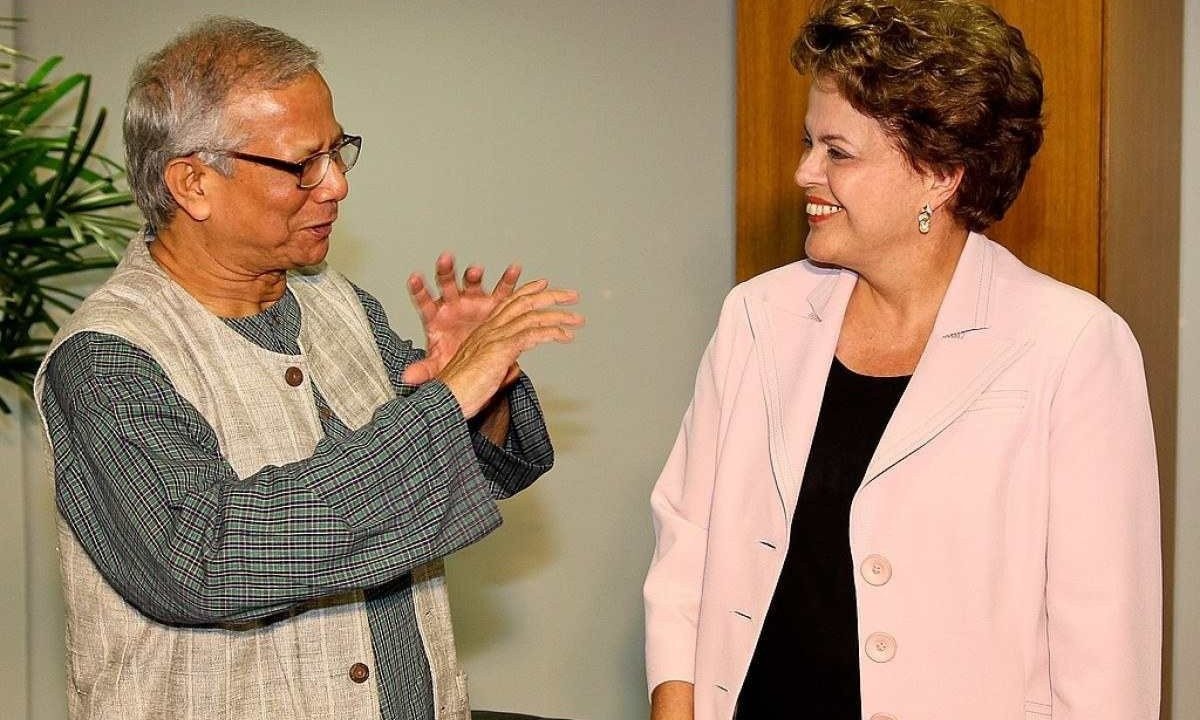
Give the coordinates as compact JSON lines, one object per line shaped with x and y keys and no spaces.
{"x":298,"y":114}
{"x":252,"y":96}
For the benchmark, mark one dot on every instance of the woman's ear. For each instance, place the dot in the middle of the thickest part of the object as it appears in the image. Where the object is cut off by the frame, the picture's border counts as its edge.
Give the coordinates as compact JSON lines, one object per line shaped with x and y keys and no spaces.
{"x":943,"y":184}
{"x":186,"y":178}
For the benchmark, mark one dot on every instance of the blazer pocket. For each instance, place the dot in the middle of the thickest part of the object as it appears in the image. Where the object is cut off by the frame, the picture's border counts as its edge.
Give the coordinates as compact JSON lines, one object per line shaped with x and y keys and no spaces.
{"x":1009,"y":401}
{"x":1036,"y":711}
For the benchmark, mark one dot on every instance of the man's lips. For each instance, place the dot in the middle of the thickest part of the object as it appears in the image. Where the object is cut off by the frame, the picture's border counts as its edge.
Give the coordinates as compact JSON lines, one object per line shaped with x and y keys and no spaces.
{"x":321,"y":230}
{"x":321,"y":226}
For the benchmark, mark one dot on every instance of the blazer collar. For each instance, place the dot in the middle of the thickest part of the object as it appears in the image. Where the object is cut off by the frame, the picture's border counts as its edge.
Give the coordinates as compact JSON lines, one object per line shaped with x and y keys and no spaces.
{"x":963,"y":357}
{"x":968,"y":301}
{"x":818,"y":299}
{"x":795,"y":340}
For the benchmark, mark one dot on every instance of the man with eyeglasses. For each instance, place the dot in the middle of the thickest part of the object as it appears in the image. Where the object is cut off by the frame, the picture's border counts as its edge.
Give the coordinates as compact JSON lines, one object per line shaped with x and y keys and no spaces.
{"x":256,"y":478}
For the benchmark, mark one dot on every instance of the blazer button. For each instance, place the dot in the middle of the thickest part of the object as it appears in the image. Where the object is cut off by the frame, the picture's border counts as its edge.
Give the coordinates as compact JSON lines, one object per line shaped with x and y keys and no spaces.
{"x":359,"y":673}
{"x":293,"y":376}
{"x":881,"y":647}
{"x":876,"y":570}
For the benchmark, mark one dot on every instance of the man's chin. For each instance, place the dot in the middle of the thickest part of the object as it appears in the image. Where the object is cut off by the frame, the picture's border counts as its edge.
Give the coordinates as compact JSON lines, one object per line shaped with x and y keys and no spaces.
{"x":310,"y":253}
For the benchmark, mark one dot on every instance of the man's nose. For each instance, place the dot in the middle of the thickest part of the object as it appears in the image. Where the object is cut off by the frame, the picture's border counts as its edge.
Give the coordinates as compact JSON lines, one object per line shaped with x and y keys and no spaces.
{"x":334,"y":186}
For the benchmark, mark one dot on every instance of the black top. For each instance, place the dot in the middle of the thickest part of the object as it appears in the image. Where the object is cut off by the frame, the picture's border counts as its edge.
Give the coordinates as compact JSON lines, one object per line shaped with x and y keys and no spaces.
{"x":807,"y":654}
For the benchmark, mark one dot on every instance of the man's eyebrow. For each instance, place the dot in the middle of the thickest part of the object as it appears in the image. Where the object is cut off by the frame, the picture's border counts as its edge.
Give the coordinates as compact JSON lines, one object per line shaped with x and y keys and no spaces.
{"x":311,"y":150}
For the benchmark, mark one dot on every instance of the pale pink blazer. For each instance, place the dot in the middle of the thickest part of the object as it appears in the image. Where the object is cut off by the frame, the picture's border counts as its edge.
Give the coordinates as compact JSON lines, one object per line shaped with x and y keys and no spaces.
{"x":1006,"y":534}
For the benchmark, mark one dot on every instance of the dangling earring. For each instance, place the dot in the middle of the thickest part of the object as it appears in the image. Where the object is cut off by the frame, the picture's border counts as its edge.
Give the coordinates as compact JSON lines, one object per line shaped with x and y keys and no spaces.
{"x":924,"y":218}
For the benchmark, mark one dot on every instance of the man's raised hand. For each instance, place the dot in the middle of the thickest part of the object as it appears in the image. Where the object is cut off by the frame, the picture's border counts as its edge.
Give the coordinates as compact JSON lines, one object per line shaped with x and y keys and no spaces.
{"x":450,"y":318}
{"x":486,"y":360}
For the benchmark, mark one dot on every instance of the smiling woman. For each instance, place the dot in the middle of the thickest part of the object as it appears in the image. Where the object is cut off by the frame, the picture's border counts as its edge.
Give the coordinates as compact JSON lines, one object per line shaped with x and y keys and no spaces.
{"x":839,"y":527}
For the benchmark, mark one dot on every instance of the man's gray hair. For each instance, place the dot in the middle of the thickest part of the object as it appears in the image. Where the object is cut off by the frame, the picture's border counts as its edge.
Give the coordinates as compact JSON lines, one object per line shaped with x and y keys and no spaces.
{"x":178,"y":96}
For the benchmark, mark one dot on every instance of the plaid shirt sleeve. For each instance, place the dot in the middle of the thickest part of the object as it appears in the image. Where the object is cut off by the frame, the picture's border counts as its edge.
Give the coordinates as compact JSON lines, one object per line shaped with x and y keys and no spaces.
{"x":141,"y":481}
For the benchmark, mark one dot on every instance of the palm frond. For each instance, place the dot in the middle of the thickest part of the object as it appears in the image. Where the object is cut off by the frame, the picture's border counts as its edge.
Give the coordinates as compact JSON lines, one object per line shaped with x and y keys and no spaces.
{"x":63,"y":211}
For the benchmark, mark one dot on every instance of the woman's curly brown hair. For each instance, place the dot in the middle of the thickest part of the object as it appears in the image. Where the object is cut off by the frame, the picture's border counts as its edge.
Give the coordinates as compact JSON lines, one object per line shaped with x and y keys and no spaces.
{"x":949,"y":80}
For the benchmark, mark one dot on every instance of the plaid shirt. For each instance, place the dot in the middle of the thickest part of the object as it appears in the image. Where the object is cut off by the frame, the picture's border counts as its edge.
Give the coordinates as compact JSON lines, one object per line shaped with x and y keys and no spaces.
{"x":141,"y":481}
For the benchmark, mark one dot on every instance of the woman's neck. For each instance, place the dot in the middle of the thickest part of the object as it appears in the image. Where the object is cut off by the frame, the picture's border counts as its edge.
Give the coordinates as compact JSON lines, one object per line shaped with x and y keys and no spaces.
{"x":894,"y":305}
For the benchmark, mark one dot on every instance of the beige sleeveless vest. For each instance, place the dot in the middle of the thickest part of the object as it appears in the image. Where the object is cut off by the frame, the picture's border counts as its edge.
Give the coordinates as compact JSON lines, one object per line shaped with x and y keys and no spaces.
{"x":124,"y":665}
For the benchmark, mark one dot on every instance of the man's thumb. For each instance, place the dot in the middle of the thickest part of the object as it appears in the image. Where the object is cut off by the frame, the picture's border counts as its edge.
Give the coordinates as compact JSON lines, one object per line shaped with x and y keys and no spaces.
{"x":418,"y":373}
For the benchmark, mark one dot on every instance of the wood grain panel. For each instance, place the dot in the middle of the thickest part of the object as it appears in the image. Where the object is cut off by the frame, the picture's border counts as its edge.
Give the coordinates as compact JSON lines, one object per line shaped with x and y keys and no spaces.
{"x":1054,"y":226}
{"x":1143,"y":61}
{"x":771,"y":98}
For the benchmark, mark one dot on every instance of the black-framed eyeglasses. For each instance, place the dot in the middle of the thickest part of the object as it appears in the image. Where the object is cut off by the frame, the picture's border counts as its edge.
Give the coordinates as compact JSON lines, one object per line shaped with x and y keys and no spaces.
{"x":310,"y":171}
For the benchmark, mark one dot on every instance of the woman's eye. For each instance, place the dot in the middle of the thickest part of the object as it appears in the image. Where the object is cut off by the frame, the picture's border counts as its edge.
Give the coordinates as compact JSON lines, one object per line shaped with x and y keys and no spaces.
{"x":837,"y":154}
{"x":807,"y":142}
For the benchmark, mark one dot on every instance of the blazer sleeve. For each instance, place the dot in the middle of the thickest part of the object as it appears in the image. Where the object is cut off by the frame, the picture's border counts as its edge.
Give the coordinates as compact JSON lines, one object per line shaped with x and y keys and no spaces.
{"x":680,"y":505}
{"x":1104,"y":565}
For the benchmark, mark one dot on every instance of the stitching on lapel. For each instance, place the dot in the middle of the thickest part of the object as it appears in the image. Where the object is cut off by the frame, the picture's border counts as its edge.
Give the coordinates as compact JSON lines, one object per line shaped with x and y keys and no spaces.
{"x":940,"y":420}
{"x":776,"y":441}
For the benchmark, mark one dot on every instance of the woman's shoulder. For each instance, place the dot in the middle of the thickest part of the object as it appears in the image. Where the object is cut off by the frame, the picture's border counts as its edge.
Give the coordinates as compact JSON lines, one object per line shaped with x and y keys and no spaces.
{"x":1026,"y":299}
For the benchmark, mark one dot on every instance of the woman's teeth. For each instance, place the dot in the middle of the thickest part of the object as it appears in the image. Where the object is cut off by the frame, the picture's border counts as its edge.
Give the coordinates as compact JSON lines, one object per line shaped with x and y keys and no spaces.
{"x":818,"y":209}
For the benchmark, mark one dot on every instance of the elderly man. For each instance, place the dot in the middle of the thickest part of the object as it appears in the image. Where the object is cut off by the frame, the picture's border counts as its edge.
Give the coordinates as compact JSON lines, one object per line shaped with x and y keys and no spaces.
{"x":256,"y":478}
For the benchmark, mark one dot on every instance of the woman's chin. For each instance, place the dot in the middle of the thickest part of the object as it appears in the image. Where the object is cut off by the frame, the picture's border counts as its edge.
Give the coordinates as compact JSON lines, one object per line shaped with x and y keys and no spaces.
{"x":823,"y":253}
{"x":817,"y":250}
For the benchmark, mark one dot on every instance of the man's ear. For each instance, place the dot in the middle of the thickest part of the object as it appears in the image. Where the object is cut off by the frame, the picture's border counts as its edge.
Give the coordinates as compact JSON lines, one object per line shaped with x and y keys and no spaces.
{"x":186,"y":177}
{"x":943,"y":184}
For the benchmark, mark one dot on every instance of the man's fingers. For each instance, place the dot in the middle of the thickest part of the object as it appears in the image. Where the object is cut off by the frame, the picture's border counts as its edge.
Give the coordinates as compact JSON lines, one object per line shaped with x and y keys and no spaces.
{"x":507,"y":282}
{"x":487,"y":360}
{"x":533,"y":286}
{"x":542,"y":334}
{"x":536,"y":328}
{"x":473,"y":280}
{"x":444,"y":272}
{"x":522,"y":303}
{"x":421,"y":299}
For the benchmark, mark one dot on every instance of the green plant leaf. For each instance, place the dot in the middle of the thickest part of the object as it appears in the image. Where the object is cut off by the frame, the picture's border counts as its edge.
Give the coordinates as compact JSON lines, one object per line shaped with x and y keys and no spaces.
{"x":62,"y":212}
{"x":64,"y":180}
{"x":50,"y":98}
{"x":38,"y":76}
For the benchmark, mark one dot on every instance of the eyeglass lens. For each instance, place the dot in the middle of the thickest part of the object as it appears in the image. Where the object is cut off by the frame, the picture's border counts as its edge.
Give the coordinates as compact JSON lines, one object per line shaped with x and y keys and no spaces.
{"x":316,"y":167}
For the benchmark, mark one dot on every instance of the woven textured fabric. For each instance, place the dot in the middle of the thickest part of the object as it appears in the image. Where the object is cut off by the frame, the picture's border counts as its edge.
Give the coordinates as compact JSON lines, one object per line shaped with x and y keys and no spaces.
{"x":259,"y":667}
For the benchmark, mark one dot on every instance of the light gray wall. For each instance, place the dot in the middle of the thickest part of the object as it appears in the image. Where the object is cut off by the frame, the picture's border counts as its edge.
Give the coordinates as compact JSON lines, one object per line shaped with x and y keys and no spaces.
{"x":590,"y":139}
{"x":1187,"y":535}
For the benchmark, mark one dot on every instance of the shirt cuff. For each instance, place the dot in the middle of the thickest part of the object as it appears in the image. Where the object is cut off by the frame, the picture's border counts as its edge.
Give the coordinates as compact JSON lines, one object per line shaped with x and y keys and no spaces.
{"x":527,"y":452}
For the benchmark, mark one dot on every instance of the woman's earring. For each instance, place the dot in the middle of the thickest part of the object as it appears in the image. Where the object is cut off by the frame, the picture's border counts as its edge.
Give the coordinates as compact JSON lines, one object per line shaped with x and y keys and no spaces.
{"x":924,"y":218}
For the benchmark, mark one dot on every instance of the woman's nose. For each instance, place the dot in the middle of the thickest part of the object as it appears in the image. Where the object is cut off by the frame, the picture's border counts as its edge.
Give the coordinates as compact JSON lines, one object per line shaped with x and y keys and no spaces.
{"x":808,"y":173}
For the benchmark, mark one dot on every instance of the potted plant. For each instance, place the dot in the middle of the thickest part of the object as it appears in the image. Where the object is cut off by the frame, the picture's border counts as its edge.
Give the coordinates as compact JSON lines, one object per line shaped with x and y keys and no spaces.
{"x":61,"y":213}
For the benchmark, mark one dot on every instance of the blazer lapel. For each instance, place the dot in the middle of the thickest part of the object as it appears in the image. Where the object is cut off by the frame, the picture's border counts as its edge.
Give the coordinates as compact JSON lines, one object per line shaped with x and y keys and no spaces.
{"x":794,"y":342}
{"x":962,"y":358}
